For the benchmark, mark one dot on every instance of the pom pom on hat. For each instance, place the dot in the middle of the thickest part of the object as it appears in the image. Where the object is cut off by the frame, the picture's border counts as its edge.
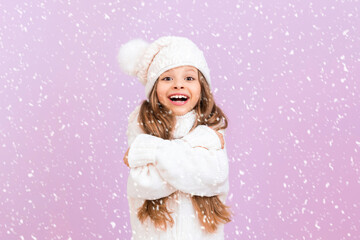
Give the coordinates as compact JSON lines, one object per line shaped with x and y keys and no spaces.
{"x":130,"y":54}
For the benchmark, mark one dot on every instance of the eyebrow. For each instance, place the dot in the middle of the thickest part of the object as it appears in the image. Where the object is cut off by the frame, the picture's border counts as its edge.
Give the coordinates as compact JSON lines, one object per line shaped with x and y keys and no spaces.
{"x":187,"y":70}
{"x":190,"y":70}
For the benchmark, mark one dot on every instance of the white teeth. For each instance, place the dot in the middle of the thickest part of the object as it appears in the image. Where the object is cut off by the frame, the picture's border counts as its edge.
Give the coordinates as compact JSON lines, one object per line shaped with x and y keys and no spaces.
{"x":179,"y":96}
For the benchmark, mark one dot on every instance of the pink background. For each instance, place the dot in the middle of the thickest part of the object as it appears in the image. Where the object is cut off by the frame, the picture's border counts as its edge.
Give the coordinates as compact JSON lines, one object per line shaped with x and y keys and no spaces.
{"x":285,"y":72}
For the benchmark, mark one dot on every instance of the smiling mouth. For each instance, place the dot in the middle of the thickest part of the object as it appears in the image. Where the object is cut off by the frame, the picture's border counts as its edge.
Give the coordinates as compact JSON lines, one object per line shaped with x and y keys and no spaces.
{"x":179,"y":99}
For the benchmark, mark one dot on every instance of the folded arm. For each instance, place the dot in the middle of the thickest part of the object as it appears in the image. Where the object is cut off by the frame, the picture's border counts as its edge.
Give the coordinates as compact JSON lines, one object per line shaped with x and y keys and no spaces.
{"x":144,"y":181}
{"x":184,"y":163}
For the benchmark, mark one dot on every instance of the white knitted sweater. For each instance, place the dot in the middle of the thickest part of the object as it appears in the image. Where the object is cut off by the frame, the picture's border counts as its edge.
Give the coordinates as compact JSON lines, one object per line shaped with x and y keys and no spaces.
{"x":161,"y":167}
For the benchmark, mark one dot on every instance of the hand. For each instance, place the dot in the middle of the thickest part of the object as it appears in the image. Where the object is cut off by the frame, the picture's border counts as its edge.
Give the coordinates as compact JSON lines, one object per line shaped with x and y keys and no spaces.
{"x":126,"y":160}
{"x":221,"y":138}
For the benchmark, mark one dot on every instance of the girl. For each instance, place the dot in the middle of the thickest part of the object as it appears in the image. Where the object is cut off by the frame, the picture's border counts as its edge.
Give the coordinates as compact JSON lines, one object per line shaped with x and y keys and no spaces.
{"x":178,"y":180}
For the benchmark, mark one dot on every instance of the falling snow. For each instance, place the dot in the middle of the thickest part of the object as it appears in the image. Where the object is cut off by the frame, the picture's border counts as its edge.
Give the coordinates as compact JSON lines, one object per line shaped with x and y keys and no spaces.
{"x":285,"y":74}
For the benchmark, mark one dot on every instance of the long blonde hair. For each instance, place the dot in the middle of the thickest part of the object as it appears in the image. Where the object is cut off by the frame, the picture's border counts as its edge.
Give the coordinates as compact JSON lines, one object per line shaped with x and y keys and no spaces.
{"x":156,"y":120}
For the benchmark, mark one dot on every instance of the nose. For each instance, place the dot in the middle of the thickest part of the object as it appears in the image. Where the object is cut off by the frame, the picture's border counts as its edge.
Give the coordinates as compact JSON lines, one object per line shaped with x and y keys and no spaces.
{"x":178,"y":84}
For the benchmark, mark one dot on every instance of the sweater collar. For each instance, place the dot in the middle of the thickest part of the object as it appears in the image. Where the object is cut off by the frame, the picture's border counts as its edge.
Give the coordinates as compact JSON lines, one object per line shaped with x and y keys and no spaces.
{"x":186,"y":115}
{"x":184,"y":123}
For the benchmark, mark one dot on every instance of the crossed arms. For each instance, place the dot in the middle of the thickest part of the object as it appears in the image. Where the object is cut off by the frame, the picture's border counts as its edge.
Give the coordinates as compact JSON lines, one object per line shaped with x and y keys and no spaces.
{"x":195,"y":164}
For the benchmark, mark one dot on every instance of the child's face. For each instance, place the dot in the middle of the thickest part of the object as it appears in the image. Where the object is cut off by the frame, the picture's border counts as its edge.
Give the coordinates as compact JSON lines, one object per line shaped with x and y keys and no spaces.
{"x":179,"y":89}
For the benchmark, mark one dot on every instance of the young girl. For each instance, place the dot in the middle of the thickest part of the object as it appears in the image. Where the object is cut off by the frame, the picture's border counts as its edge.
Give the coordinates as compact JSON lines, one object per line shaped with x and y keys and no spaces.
{"x":178,"y":180}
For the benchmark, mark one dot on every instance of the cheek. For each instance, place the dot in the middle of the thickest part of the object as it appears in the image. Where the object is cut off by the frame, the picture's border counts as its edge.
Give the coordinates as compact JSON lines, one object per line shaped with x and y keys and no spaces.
{"x":197,"y":93}
{"x":196,"y":97}
{"x":161,"y":98}
{"x":161,"y":94}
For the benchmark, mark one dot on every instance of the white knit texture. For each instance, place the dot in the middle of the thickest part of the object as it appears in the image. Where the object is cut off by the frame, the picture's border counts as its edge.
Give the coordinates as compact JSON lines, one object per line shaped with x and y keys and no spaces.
{"x":196,"y":138}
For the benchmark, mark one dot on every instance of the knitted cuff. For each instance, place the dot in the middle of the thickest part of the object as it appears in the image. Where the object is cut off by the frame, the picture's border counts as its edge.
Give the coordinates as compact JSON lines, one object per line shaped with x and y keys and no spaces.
{"x":203,"y":136}
{"x":143,"y":150}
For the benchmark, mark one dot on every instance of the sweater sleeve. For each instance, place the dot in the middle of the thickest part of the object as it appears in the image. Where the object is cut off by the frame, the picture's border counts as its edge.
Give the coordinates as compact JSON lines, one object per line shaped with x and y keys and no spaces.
{"x":203,"y":136}
{"x":134,"y":128}
{"x":144,"y":181}
{"x":143,"y":152}
{"x":190,"y":169}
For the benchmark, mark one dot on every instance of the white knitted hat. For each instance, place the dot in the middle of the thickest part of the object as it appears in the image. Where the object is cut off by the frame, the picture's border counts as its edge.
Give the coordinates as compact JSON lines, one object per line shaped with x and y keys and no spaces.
{"x":149,"y":61}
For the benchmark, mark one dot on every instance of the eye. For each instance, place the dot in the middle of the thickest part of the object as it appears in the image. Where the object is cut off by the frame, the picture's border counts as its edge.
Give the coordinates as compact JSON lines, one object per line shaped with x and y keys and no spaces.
{"x":166,"y":79}
{"x":190,"y":78}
